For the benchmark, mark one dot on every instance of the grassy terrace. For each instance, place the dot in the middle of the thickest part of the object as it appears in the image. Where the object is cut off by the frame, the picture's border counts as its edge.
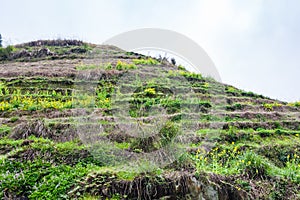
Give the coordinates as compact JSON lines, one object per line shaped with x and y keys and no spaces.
{"x":235,"y":144}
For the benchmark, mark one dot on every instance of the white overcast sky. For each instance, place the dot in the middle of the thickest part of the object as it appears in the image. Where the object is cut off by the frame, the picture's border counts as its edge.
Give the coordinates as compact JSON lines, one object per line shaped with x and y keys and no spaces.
{"x":255,"y":44}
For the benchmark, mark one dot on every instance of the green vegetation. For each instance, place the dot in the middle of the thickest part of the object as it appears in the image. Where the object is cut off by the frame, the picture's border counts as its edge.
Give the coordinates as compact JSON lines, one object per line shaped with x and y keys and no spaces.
{"x":270,"y":106}
{"x":4,"y":130}
{"x":190,"y":74}
{"x":6,"y":52}
{"x":28,"y":101}
{"x":180,"y":67}
{"x":230,"y":160}
{"x":124,"y":66}
{"x":39,"y":179}
{"x":234,"y":143}
{"x":149,"y":61}
{"x":119,"y":66}
{"x":294,"y":104}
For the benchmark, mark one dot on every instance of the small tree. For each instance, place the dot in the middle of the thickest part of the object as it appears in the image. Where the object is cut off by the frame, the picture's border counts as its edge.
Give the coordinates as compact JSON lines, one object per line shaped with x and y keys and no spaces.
{"x":173,"y":61}
{"x":0,"y":40}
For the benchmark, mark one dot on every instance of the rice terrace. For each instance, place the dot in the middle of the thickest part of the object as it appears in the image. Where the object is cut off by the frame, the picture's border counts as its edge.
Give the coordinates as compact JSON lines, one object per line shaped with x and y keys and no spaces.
{"x":86,"y":121}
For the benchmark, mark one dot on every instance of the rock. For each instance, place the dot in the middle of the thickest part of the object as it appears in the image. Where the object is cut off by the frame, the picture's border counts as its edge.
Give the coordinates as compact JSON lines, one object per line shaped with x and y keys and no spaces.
{"x":43,"y":52}
{"x":78,"y":50}
{"x":22,"y":54}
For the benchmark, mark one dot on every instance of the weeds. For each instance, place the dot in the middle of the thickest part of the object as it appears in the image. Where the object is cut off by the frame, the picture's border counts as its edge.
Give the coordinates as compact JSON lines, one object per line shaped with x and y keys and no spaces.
{"x":16,"y":100}
{"x":271,"y":106}
{"x":149,"y":61}
{"x":232,"y":161}
{"x":294,"y":104}
{"x":119,"y":66}
{"x":232,"y":90}
{"x":38,"y":179}
{"x":4,"y":130}
{"x":254,"y":166}
{"x":292,"y":168}
{"x":125,"y":66}
{"x":185,"y":74}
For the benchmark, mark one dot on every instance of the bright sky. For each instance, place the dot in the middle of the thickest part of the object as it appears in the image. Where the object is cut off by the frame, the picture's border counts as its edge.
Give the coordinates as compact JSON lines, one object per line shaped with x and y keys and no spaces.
{"x":255,"y":44}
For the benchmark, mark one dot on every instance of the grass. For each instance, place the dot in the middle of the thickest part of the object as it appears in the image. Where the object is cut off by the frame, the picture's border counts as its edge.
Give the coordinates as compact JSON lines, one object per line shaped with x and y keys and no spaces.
{"x":186,"y":74}
{"x":88,"y":67}
{"x":230,"y":160}
{"x":248,"y":153}
{"x":120,"y":65}
{"x":42,"y":100}
{"x":39,"y":179}
{"x":4,"y":130}
{"x":232,"y":90}
{"x":149,"y":61}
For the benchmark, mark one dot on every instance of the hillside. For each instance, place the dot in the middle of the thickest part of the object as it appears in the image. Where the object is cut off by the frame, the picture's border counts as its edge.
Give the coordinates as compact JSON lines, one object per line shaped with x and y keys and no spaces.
{"x":85,"y":121}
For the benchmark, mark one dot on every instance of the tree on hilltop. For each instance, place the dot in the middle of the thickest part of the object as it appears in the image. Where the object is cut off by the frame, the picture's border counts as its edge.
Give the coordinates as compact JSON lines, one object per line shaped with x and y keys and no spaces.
{"x":0,"y":40}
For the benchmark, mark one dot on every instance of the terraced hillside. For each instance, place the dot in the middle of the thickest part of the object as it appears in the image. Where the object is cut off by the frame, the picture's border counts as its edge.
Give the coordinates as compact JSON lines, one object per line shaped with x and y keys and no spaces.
{"x":83,"y":121}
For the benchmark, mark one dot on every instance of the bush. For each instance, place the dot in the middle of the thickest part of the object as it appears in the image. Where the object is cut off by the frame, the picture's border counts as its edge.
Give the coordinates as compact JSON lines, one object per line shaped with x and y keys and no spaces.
{"x":254,"y":166}
{"x":164,"y":138}
{"x":294,"y":104}
{"x":6,"y":52}
{"x":180,"y":67}
{"x":168,"y":133}
{"x":232,"y":90}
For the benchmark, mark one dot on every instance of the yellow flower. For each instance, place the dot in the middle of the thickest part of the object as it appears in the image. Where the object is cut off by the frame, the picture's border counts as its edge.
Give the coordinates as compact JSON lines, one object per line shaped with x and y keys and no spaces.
{"x":232,"y":142}
{"x":235,"y":149}
{"x":297,"y":135}
{"x":249,"y":162}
